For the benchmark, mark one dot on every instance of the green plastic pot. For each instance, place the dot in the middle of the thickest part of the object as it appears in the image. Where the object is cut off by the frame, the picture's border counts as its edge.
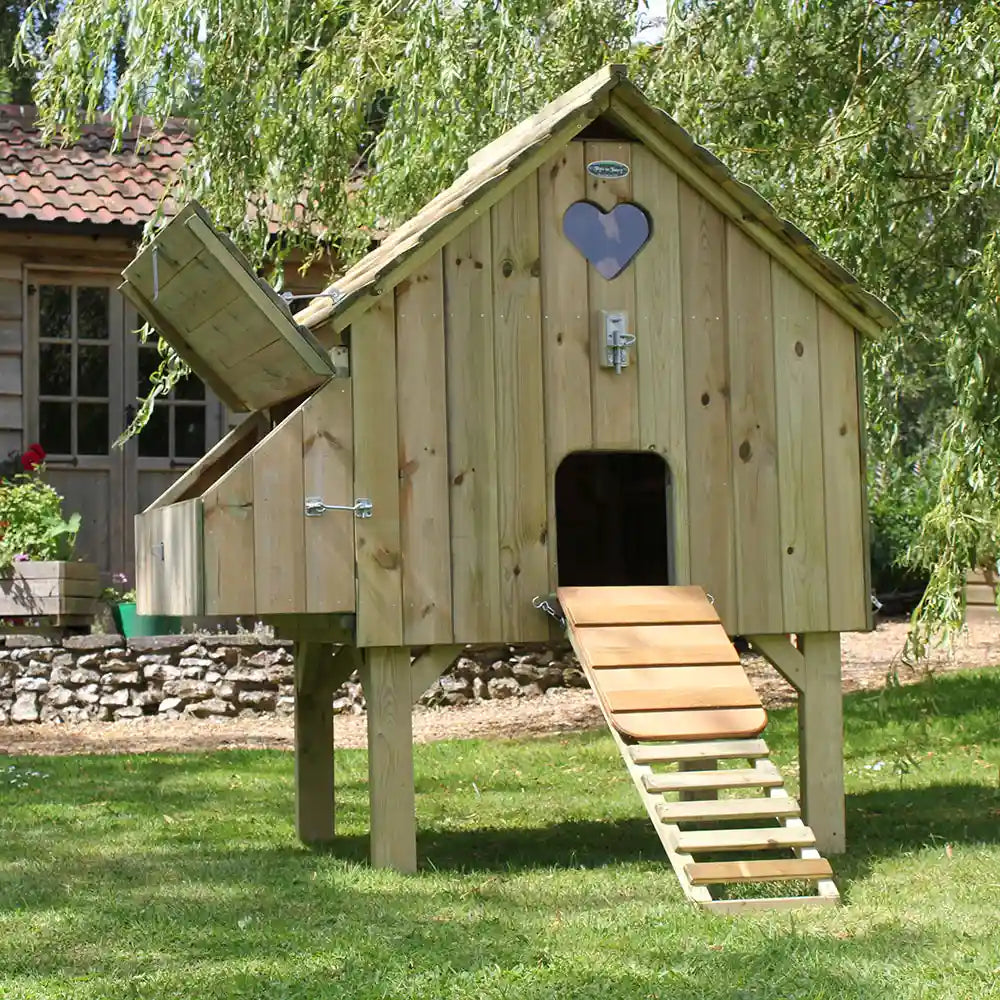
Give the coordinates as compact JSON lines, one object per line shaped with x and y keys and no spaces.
{"x":130,"y":623}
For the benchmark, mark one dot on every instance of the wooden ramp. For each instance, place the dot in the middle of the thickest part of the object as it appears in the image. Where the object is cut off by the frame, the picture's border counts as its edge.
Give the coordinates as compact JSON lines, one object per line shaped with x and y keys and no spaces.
{"x":687,"y":723}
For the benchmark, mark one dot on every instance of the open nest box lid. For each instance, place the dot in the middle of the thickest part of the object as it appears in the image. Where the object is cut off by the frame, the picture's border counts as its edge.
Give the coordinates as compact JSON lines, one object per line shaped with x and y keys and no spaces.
{"x":233,"y":330}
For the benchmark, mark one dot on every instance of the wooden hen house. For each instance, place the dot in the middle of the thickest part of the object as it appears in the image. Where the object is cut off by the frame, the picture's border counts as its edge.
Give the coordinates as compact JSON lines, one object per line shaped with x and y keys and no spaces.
{"x":595,"y":365}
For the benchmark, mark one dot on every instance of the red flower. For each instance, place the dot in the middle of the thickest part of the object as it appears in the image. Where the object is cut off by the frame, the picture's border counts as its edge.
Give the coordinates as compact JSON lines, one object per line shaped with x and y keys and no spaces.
{"x":33,"y":458}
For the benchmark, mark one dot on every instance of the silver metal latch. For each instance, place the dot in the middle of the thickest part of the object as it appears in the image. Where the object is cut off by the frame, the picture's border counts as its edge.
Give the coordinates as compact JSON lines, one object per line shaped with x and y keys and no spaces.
{"x":315,"y":507}
{"x":615,"y":340}
{"x":551,"y":607}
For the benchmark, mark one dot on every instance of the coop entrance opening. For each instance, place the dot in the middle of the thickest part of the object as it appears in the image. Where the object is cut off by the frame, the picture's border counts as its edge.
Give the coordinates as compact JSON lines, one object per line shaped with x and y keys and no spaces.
{"x":612,"y":516}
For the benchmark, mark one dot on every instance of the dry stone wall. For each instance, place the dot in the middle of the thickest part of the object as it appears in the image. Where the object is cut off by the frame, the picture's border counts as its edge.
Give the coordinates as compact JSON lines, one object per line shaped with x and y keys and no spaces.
{"x":100,"y":678}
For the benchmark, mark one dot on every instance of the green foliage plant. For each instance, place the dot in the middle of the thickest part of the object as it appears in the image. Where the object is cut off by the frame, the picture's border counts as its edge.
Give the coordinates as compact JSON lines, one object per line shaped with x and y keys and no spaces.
{"x":32,"y":522}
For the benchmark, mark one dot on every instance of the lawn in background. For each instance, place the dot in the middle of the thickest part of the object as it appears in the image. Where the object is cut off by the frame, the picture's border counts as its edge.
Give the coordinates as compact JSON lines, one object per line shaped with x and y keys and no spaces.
{"x":178,"y":876}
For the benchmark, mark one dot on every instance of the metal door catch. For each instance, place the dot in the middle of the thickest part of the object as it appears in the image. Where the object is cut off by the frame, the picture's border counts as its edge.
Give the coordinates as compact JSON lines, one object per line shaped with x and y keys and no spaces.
{"x":615,"y":340}
{"x":315,"y":507}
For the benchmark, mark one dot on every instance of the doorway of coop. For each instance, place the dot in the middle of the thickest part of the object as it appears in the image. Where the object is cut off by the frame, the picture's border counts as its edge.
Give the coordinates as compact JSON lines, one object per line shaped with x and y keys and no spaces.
{"x":612,"y":519}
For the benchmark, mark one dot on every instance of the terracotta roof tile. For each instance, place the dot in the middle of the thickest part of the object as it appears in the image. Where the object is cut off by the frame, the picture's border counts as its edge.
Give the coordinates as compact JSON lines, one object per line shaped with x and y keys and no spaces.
{"x":86,"y":181}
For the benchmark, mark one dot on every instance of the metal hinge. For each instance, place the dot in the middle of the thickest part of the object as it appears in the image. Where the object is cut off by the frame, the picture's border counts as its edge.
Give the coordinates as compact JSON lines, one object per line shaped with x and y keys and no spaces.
{"x":315,"y":507}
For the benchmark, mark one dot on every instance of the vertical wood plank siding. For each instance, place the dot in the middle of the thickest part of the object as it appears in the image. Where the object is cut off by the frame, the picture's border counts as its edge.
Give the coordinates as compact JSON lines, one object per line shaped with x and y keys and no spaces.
{"x":710,"y":494}
{"x":566,"y":339}
{"x":659,"y":330}
{"x":754,"y":431}
{"x":472,"y":443}
{"x":615,"y":419}
{"x":474,"y":378}
{"x":520,"y":416}
{"x":421,"y":397}
{"x":800,"y":452}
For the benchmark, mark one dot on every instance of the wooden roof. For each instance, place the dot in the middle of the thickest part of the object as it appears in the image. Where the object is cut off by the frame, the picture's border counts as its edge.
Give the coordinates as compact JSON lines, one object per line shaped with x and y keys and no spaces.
{"x":499,"y":166}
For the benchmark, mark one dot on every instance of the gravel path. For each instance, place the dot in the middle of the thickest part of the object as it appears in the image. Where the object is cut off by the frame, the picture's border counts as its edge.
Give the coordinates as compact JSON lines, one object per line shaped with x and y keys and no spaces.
{"x":868,"y":658}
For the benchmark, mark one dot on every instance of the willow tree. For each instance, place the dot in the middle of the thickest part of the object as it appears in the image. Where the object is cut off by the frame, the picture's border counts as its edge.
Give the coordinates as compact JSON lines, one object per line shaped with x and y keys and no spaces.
{"x":873,"y":124}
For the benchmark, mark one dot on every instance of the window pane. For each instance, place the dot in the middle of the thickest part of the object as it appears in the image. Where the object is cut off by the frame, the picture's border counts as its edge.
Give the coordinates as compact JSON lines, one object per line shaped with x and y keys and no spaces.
{"x":91,"y":370}
{"x":54,"y":365}
{"x":55,"y":425}
{"x":154,"y":438}
{"x":189,"y":431}
{"x":92,"y":313}
{"x":149,"y":361}
{"x":92,"y":429}
{"x":191,"y":387}
{"x":53,"y":311}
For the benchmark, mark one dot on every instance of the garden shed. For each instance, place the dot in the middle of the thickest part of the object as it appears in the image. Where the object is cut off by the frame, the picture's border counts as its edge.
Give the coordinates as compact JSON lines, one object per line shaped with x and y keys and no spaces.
{"x":596,"y":360}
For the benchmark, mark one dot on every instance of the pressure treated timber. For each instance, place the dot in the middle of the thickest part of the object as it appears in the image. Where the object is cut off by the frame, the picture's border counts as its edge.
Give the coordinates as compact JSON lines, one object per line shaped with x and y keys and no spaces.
{"x":566,"y":327}
{"x":170,"y":560}
{"x":717,"y":872}
{"x":801,"y":498}
{"x":679,"y":698}
{"x":386,"y":683}
{"x":429,"y":665}
{"x":228,"y":514}
{"x":844,"y":510}
{"x":378,"y":551}
{"x":718,"y":810}
{"x":614,"y":395}
{"x":279,"y":520}
{"x":755,"y":839}
{"x":517,"y":324}
{"x":422,"y":423}
{"x":751,"y":777}
{"x":754,"y":430}
{"x":650,"y":753}
{"x":328,"y":473}
{"x":821,"y":741}
{"x":706,"y":400}
{"x":472,"y":444}
{"x":643,"y":645}
{"x":638,"y":606}
{"x":659,"y":347}
{"x":314,"y":778}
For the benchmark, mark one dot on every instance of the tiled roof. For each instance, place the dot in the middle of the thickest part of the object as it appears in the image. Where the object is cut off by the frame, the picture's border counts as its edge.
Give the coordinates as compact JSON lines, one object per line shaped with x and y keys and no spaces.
{"x":86,"y":181}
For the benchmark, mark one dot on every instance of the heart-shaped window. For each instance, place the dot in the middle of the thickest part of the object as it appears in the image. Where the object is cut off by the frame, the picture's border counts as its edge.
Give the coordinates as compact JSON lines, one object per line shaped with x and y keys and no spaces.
{"x":609,"y":240}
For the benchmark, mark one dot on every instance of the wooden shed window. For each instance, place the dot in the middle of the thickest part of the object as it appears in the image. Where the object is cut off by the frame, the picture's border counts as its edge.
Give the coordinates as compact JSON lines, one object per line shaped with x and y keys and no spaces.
{"x":612,"y":519}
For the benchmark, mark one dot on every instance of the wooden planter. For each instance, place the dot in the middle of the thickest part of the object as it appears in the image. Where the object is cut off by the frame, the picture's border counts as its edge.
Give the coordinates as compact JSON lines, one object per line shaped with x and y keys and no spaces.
{"x":64,"y":593}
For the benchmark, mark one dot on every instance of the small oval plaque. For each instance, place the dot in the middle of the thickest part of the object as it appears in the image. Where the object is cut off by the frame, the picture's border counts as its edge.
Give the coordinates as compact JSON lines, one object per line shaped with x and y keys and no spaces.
{"x":607,"y":169}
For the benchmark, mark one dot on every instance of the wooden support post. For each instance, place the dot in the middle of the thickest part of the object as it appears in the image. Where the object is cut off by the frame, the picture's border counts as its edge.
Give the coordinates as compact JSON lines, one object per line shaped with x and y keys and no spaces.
{"x":428,"y":666}
{"x":387,"y":685}
{"x":316,"y":677}
{"x":821,"y":741}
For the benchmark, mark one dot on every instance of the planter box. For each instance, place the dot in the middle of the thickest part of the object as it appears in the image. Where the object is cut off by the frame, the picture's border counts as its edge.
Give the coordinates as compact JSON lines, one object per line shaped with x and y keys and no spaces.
{"x":58,"y":590}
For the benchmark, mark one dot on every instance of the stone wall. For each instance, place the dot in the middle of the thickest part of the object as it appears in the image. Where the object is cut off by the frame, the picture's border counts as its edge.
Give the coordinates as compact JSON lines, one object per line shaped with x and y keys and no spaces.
{"x":100,"y":678}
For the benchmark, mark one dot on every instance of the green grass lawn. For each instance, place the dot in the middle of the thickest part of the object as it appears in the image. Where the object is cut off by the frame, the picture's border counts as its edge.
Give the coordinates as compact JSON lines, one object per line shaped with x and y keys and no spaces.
{"x":179,"y":876}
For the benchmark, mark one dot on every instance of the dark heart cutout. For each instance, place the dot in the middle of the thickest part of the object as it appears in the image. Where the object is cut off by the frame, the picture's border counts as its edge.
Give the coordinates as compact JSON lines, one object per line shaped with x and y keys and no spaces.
{"x":609,"y":240}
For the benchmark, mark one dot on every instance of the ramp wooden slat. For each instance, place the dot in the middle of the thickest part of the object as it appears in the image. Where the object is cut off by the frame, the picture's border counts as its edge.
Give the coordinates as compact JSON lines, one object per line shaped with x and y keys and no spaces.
{"x":719,"y":872}
{"x":671,"y":688}
{"x":713,"y":810}
{"x":713,"y":750}
{"x":680,"y":697}
{"x":587,"y":606}
{"x":758,"y":839}
{"x":684,"y":781}
{"x":655,"y":645}
{"x":691,"y":725}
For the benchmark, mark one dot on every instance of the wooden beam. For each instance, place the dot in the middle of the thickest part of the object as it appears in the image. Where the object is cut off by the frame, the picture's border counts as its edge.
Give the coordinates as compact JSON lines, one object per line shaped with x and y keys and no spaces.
{"x":316,"y":678}
{"x":386,"y":682}
{"x":783,"y":656}
{"x":821,"y":741}
{"x":429,"y":666}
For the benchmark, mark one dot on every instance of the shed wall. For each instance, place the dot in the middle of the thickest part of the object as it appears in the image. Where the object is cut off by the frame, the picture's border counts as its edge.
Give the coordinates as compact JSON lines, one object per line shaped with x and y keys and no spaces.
{"x":479,"y":375}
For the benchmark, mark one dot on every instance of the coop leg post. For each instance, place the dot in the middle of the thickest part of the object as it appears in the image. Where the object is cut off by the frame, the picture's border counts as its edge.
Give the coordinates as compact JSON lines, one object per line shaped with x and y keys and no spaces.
{"x":387,"y":682}
{"x":317,"y":675}
{"x":821,"y":741}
